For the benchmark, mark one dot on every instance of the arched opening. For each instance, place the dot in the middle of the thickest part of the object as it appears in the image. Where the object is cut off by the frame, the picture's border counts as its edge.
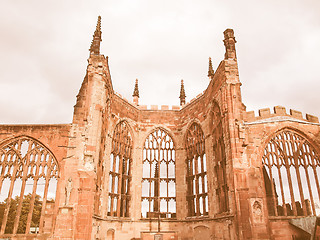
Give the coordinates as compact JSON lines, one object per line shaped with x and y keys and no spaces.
{"x":158,"y":180}
{"x":28,"y":180}
{"x":196,"y":172}
{"x":110,"y":234}
{"x":219,"y":157}
{"x":120,"y":171}
{"x":291,"y":170}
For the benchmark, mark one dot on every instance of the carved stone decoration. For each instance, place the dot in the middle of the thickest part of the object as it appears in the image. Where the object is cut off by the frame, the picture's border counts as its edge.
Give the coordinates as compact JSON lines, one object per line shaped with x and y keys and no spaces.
{"x":68,"y":190}
{"x":88,"y":162}
{"x":256,"y":209}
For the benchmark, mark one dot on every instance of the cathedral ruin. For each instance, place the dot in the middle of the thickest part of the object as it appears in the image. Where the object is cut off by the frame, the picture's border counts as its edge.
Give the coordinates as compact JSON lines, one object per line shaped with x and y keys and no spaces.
{"x":207,"y":169}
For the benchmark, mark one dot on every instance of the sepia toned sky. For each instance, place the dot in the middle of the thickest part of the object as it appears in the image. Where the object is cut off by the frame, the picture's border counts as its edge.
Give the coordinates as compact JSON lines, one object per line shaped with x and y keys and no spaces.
{"x":44,"y":50}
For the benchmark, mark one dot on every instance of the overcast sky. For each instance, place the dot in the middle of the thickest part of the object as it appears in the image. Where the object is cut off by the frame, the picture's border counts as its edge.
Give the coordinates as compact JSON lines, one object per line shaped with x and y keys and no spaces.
{"x":44,"y":50}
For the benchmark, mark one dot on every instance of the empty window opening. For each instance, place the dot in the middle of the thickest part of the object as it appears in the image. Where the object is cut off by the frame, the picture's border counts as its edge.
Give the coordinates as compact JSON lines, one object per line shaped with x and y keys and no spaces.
{"x":120,"y":171}
{"x":27,"y":169}
{"x":196,"y":171}
{"x":158,"y":182}
{"x":291,"y":170}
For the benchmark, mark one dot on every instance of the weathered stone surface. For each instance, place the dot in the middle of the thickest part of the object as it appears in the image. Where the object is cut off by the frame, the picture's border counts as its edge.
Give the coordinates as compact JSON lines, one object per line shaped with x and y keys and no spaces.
{"x":238,"y":190}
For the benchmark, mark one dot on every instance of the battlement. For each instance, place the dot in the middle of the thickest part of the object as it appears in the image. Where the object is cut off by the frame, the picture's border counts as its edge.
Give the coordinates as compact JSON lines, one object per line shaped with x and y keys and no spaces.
{"x":157,"y":107}
{"x":278,"y":111}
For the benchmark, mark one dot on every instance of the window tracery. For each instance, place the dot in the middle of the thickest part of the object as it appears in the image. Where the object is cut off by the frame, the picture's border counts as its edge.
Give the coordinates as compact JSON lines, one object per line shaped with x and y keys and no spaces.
{"x":197,"y":197}
{"x":28,"y":180}
{"x":291,"y":170}
{"x":158,"y":180}
{"x":219,"y":157}
{"x":120,"y":171}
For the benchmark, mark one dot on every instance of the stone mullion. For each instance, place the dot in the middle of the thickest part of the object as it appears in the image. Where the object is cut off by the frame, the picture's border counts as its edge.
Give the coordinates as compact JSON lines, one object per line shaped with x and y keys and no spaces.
{"x":190,"y":188}
{"x":204,"y":173}
{"x":223,"y":166}
{"x":295,"y":160}
{"x":310,"y":190}
{"x":44,"y":202}
{"x":203,"y":185}
{"x":119,"y":185}
{"x":23,"y":186}
{"x":113,"y":175}
{"x":123,"y":205}
{"x":316,"y":179}
{"x":272,"y":188}
{"x":282,"y":192}
{"x":6,"y":211}
{"x":197,"y":185}
{"x":1,"y":181}
{"x":3,"y":169}
{"x":16,"y":220}
{"x":34,"y":190}
{"x":167,"y":182}
{"x":148,"y":157}
{"x":290,"y":186}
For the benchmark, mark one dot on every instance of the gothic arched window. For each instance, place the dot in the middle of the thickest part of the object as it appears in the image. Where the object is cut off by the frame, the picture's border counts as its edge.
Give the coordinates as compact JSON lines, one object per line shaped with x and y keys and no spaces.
{"x":158,"y":180}
{"x":28,"y":180}
{"x":219,"y":158}
{"x":196,"y":172}
{"x":291,"y":170}
{"x":119,"y":175}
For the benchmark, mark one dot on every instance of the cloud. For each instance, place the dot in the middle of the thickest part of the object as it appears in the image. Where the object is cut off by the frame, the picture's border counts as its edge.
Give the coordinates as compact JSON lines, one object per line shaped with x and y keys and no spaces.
{"x":45,"y":46}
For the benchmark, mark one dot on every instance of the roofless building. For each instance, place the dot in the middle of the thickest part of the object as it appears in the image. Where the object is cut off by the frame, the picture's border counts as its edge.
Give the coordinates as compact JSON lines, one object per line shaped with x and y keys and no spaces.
{"x":206,"y":169}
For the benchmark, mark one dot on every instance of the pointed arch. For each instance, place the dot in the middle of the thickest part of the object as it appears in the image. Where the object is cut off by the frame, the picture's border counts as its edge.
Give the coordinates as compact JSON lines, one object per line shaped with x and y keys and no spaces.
{"x":219,"y":156}
{"x":110,"y":234}
{"x":197,"y":196}
{"x":291,"y":170}
{"x":28,"y":173}
{"x":120,"y":171}
{"x":158,"y":180}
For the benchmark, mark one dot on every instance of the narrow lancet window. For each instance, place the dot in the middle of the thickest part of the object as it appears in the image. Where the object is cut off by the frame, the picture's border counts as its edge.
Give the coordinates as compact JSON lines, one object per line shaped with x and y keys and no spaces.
{"x":28,"y":180}
{"x":291,"y":170}
{"x":120,"y":171}
{"x":219,"y":157}
{"x":197,"y":197}
{"x":158,"y":180}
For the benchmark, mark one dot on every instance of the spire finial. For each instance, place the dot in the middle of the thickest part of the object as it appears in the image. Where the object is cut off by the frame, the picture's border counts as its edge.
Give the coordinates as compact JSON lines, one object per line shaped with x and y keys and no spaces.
{"x":135,"y":94}
{"x":210,"y":71}
{"x":182,"y":95}
{"x":136,"y":90}
{"x":95,"y":44}
{"x":230,"y":44}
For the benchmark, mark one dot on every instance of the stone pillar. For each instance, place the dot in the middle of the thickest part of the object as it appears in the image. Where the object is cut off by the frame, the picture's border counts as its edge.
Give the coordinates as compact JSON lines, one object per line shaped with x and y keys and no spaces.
{"x":84,"y":213}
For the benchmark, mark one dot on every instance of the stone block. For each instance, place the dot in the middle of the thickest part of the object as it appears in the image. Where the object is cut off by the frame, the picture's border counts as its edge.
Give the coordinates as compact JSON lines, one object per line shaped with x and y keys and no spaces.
{"x":279,"y":110}
{"x":264,"y":113}
{"x":143,"y":107}
{"x":249,"y":116}
{"x":164,"y":107}
{"x":295,"y":113}
{"x":312,"y":118}
{"x":154,"y":107}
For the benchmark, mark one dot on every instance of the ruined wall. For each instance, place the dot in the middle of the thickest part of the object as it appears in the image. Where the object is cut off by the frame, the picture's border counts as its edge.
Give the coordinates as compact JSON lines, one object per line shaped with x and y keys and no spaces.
{"x":55,"y":139}
{"x":234,"y":140}
{"x":258,"y":131}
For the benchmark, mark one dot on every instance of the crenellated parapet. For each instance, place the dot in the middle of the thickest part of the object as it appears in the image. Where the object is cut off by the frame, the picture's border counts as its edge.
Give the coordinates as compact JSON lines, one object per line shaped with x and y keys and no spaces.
{"x":279,"y":114}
